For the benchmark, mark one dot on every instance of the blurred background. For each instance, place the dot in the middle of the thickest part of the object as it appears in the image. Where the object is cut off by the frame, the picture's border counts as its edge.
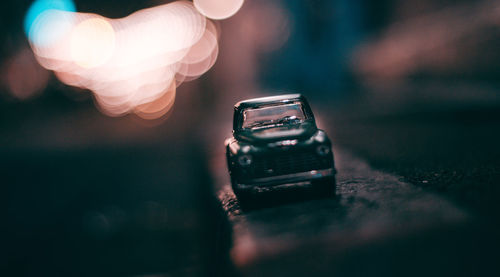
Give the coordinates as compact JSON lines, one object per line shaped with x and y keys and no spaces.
{"x":411,"y":86}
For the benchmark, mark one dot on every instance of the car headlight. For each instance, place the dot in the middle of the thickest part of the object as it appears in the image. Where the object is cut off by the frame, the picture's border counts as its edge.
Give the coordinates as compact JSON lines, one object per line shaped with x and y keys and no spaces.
{"x":323,"y":150}
{"x":245,"y":160}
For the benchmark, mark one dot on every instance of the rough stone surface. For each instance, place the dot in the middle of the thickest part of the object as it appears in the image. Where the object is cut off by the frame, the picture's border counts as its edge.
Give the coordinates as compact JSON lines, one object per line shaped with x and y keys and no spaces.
{"x":371,"y":207}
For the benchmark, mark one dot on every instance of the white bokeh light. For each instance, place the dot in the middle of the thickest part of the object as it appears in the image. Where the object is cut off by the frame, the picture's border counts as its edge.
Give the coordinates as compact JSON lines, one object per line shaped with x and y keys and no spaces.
{"x":132,"y":64}
{"x":218,"y":9}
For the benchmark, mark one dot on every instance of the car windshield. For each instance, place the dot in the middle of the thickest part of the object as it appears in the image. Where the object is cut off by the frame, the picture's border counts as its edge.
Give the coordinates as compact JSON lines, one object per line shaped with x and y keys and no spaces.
{"x":271,"y":116}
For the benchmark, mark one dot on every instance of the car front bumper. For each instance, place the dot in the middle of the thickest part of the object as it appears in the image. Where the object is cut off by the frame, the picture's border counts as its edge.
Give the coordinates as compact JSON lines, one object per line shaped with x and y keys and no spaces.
{"x":300,"y":179}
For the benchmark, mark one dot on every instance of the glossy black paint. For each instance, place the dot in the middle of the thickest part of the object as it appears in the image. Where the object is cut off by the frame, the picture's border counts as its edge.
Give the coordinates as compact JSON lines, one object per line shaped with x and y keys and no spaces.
{"x":299,"y":154}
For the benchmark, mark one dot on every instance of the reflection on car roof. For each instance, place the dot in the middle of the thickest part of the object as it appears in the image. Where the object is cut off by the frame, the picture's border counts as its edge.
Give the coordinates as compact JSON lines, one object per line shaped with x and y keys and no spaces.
{"x":267,"y":100}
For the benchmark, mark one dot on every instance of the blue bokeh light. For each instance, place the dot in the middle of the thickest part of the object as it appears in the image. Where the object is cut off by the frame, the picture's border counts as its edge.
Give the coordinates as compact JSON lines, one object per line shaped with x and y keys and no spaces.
{"x":42,"y":21}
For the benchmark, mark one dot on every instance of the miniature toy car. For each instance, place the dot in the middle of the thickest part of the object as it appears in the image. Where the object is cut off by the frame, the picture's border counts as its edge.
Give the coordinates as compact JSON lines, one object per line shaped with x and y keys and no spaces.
{"x":276,"y":144}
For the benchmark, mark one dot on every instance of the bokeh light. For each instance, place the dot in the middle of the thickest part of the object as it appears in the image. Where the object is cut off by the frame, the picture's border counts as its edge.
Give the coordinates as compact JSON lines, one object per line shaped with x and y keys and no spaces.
{"x":159,"y":107}
{"x":92,"y":42}
{"x":132,"y":64}
{"x":43,"y":24}
{"x":266,"y":25}
{"x":218,"y":9}
{"x":24,"y":77}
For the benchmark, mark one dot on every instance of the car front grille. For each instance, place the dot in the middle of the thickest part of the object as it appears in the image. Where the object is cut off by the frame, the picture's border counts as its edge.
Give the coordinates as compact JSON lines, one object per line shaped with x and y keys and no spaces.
{"x":285,"y":162}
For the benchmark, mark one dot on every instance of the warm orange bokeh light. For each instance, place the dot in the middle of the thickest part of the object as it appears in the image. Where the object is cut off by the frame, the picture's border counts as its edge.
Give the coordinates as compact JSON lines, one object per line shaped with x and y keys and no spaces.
{"x":159,"y":107}
{"x":23,"y":76}
{"x":132,"y":64}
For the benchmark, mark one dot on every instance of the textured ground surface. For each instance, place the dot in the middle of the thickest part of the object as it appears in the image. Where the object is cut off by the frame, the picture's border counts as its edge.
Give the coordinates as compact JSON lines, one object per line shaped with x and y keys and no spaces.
{"x":373,"y":211}
{"x":417,"y":194}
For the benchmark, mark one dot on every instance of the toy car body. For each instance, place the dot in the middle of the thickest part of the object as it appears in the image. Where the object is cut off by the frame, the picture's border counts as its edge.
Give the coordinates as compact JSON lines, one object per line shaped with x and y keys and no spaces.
{"x":276,"y":144}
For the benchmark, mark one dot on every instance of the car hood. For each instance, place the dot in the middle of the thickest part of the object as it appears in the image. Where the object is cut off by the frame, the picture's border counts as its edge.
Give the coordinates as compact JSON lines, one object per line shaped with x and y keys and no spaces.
{"x":299,"y":131}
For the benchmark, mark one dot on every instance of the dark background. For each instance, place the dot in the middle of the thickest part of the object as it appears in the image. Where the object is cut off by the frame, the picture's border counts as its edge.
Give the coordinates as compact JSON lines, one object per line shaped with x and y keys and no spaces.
{"x":410,"y":86}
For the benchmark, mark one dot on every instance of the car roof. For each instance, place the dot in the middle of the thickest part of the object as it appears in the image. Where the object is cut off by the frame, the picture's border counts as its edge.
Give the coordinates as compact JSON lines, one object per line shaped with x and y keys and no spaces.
{"x":255,"y":102}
